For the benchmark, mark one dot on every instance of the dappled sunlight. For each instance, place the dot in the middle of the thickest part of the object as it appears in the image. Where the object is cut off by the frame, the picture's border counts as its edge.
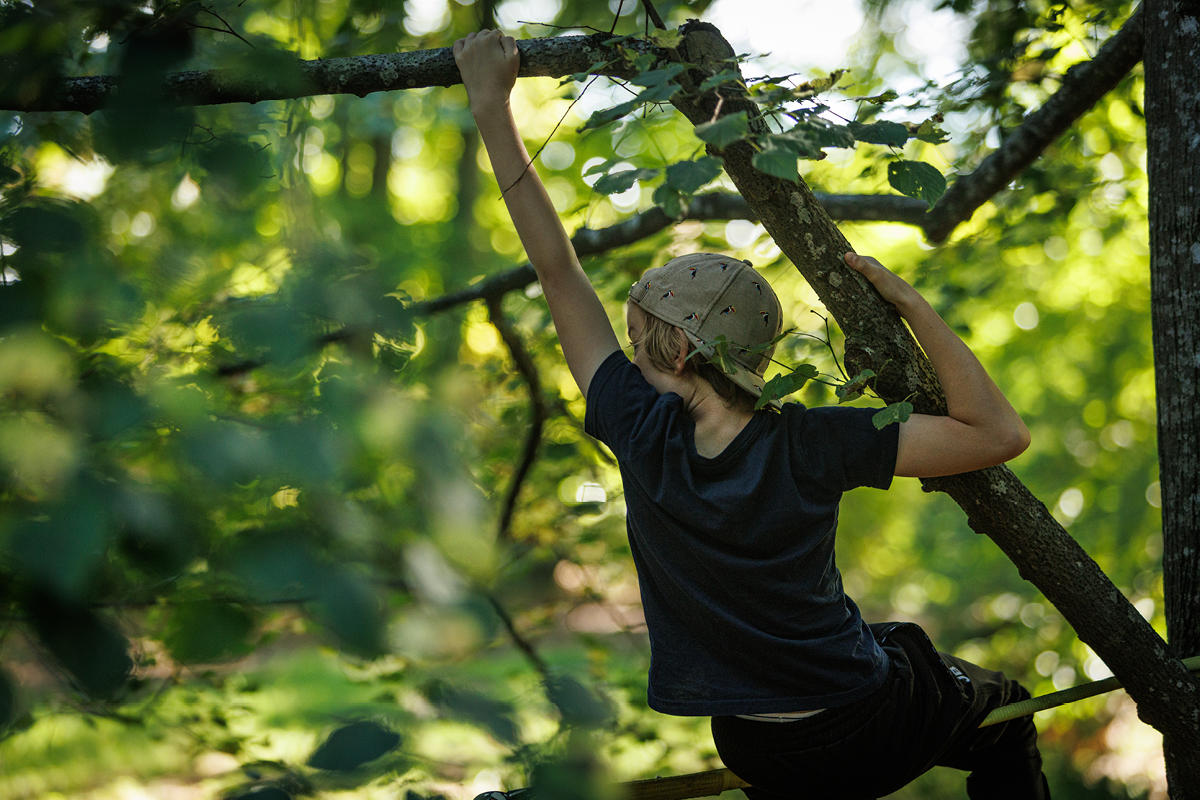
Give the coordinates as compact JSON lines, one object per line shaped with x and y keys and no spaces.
{"x":251,"y":485}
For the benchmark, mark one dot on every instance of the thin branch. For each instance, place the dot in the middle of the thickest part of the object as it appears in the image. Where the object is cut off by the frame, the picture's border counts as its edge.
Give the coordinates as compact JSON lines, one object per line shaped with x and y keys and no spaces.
{"x":1082,"y":87}
{"x":537,"y":405}
{"x":590,"y":242}
{"x":711,"y":206}
{"x":653,"y":16}
{"x":520,"y":641}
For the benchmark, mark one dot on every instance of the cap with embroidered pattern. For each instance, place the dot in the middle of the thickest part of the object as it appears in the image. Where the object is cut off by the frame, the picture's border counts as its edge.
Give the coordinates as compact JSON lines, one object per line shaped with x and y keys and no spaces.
{"x":728,"y":311}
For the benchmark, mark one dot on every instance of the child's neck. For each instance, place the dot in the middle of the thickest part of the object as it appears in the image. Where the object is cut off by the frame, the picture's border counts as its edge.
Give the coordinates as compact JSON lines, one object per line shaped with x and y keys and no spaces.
{"x":716,"y":424}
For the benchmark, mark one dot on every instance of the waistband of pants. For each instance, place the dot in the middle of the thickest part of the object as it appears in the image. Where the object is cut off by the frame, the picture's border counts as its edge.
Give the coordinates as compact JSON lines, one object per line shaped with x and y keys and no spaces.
{"x":783,"y":716}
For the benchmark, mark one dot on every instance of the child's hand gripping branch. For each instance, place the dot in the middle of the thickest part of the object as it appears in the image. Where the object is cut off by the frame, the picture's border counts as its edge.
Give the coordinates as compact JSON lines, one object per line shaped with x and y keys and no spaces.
{"x":488,"y":63}
{"x":980,"y":428}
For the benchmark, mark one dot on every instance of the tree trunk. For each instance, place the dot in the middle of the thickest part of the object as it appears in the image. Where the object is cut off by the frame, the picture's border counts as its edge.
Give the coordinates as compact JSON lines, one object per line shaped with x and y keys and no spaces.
{"x":996,"y":503}
{"x":1172,"y":63}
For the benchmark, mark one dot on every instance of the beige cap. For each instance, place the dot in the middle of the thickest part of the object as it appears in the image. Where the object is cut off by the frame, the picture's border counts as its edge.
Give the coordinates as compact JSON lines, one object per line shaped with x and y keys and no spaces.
{"x":714,"y":299}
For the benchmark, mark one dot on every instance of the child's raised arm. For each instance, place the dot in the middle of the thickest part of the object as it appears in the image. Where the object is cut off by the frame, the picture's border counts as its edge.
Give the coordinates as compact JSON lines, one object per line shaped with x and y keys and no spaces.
{"x":981,"y":428}
{"x":488,"y":63}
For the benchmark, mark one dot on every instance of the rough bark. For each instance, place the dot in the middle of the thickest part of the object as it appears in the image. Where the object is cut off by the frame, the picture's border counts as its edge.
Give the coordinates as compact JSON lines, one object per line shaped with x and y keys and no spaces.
{"x":358,"y":75}
{"x":996,"y":503}
{"x":1172,"y":66}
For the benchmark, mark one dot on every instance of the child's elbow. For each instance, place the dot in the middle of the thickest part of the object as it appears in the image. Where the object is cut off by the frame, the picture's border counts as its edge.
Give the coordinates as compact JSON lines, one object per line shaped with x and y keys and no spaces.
{"x":1015,"y":440}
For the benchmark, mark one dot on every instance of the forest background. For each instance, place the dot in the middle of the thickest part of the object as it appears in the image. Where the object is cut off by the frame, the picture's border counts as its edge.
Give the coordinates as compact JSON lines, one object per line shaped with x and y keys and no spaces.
{"x":272,"y":487}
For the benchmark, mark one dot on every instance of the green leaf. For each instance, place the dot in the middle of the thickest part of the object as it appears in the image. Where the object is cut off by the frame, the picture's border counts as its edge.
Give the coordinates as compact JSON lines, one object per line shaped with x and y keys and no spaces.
{"x":931,"y":131}
{"x":266,"y":329}
{"x":817,"y":85}
{"x":654,"y":94}
{"x":94,"y":652}
{"x":725,"y":131}
{"x":895,"y":412}
{"x":347,"y":606}
{"x":883,"y":132}
{"x":49,"y":225}
{"x":689,"y":176}
{"x":879,"y":99}
{"x":672,"y":202}
{"x":493,"y":715}
{"x":917,"y":179}
{"x":853,"y":388}
{"x":782,"y":385}
{"x":604,"y":166}
{"x":207,"y":631}
{"x":236,"y":167}
{"x":668,"y":38}
{"x":657,"y":77}
{"x":586,"y":75}
{"x":353,"y":745}
{"x":63,"y":549}
{"x":616,"y":182}
{"x":809,"y":135}
{"x":720,"y":79}
{"x":578,"y":704}
{"x":779,"y":162}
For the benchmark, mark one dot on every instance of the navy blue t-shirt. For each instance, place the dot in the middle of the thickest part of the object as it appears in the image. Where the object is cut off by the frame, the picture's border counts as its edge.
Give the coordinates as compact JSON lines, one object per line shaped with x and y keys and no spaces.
{"x":734,"y":554}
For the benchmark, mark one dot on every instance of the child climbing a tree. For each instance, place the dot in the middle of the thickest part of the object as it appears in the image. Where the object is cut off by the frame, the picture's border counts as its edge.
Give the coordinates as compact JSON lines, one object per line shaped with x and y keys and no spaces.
{"x":732,"y":512}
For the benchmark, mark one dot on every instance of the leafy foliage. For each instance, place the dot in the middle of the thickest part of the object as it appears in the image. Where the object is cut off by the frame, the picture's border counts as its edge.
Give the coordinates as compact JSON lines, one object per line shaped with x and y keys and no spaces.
{"x":227,"y":430}
{"x":353,"y":745}
{"x":917,"y":179}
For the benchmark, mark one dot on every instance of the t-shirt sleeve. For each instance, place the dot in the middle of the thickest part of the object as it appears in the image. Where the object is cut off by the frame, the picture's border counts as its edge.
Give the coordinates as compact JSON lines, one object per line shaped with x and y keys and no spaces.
{"x":840,"y":448}
{"x":619,"y":401}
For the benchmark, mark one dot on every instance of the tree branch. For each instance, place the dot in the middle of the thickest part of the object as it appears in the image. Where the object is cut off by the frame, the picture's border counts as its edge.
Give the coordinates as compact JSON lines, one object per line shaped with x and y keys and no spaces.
{"x":996,"y":503}
{"x":537,"y":405}
{"x":358,"y":75}
{"x":711,"y":206}
{"x":1082,"y":86}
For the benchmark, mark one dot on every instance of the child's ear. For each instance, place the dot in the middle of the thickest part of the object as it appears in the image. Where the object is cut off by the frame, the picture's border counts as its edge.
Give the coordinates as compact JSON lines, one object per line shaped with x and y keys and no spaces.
{"x":681,"y":352}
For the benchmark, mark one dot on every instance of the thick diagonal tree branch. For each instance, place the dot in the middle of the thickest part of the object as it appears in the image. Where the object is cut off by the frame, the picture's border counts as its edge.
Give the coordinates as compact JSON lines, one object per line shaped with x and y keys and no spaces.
{"x":1082,"y":86}
{"x":995,"y":501}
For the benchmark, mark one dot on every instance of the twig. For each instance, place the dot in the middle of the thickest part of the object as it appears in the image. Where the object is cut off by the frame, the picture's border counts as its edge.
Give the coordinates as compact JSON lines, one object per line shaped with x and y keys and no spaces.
{"x":616,"y":17}
{"x":652,"y":14}
{"x":524,"y":363}
{"x":520,"y":641}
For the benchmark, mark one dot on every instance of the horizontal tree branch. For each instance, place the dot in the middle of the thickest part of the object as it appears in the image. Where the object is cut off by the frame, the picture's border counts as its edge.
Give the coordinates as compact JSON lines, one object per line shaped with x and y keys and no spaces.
{"x":1082,"y":87}
{"x":358,"y":75}
{"x":710,"y":206}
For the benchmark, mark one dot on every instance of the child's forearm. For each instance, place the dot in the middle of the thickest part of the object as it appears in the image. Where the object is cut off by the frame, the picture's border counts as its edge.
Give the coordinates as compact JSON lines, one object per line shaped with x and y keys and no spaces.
{"x":972,"y":397}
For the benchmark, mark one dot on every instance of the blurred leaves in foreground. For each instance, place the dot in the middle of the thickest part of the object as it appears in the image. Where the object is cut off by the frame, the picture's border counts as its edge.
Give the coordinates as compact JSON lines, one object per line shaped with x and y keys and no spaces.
{"x":248,"y":497}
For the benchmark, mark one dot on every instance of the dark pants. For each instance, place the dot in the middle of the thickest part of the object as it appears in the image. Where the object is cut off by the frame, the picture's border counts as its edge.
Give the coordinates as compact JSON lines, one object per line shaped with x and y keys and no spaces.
{"x":926,"y":714}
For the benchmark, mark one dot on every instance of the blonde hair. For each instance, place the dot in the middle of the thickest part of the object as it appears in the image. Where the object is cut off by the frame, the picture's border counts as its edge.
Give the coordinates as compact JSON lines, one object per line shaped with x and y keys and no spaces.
{"x":661,"y":340}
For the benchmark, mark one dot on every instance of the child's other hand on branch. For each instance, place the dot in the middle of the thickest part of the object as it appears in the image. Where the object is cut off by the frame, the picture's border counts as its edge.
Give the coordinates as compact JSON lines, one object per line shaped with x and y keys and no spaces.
{"x":488,"y":62}
{"x":890,"y":286}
